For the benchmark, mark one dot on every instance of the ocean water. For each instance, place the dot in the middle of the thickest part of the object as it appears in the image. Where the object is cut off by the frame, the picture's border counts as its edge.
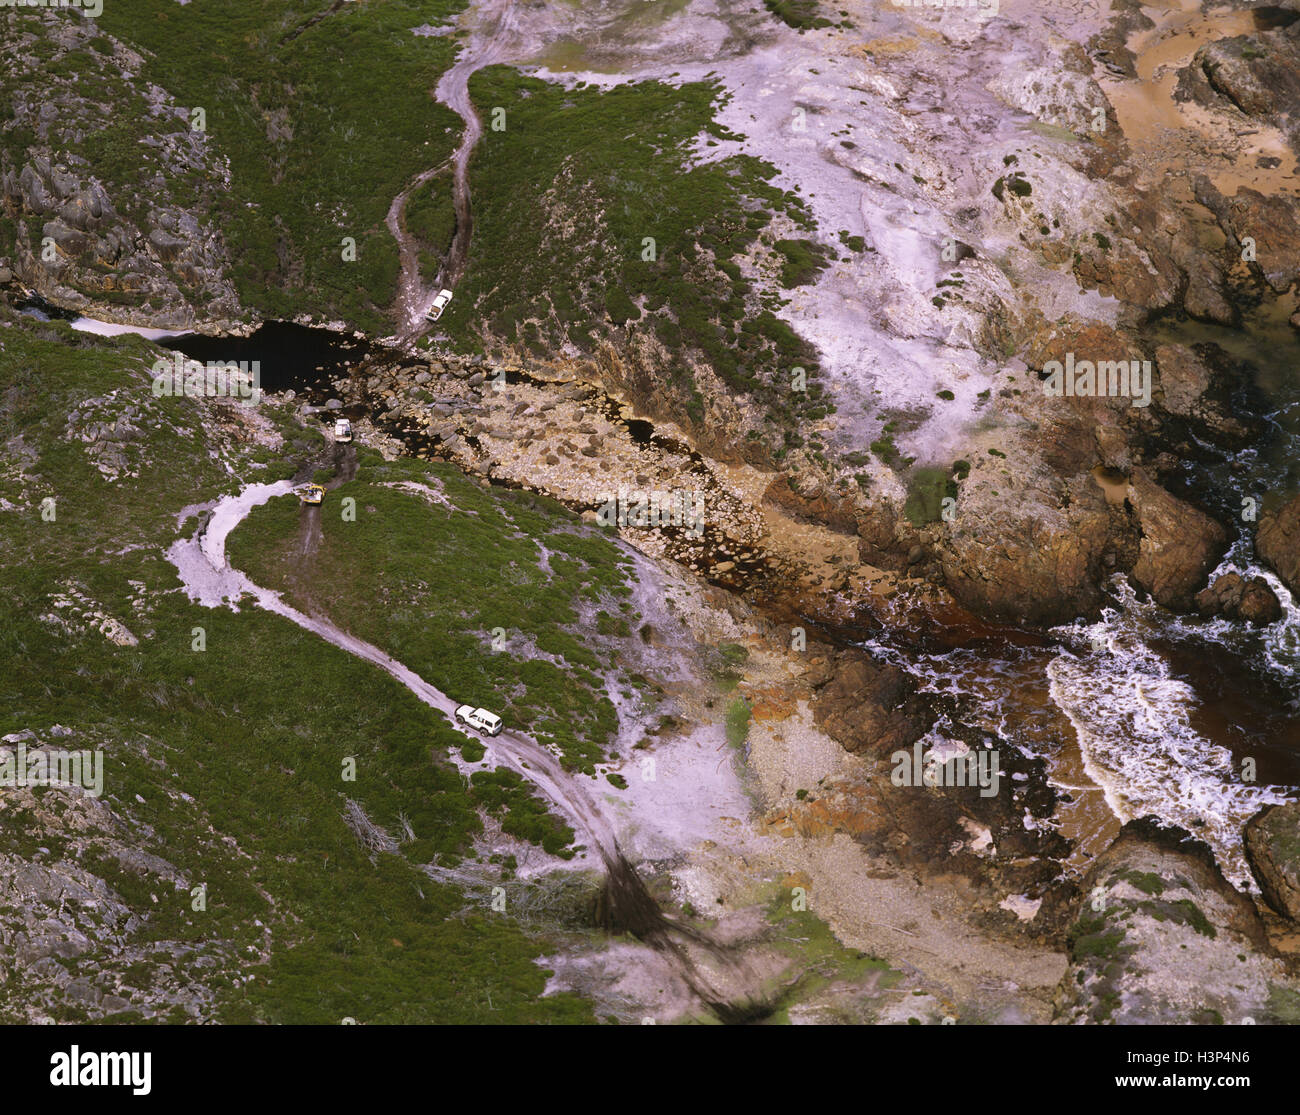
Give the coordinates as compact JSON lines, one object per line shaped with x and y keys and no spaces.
{"x":1193,"y":720}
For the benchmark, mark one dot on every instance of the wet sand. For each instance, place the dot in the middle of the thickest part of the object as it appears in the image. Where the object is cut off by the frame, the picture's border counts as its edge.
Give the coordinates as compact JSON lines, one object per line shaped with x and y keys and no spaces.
{"x":1174,"y":140}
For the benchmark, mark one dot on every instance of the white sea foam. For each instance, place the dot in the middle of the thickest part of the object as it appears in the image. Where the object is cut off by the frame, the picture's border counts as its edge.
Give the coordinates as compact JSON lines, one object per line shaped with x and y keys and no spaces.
{"x":1281,"y":640}
{"x":1133,"y":720}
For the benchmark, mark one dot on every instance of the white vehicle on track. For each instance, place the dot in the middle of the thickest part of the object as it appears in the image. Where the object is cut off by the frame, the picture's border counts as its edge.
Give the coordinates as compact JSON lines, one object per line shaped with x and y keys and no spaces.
{"x":486,"y":722}
{"x":439,"y":304}
{"x":342,"y":430}
{"x":311,"y":493}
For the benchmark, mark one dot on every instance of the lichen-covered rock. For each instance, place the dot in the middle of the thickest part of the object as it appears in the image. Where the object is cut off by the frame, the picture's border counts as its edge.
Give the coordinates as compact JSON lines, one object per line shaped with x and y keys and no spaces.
{"x":1162,"y":938}
{"x":1273,"y":850}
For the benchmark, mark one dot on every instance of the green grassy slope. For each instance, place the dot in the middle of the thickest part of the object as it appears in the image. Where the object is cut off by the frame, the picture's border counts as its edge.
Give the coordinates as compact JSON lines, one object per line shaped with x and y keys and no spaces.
{"x":323,"y":125}
{"x":431,"y":584}
{"x":253,"y":730}
{"x":565,"y":198}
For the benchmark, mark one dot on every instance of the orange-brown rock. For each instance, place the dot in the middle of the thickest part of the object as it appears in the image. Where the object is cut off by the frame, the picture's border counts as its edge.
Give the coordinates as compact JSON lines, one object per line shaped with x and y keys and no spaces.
{"x":870,"y":708}
{"x":1180,"y":544}
{"x":817,"y":506}
{"x":1277,"y":541}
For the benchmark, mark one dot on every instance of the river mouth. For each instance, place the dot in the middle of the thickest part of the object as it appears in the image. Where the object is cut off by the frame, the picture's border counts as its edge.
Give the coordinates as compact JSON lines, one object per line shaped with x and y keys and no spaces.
{"x":1232,"y":691}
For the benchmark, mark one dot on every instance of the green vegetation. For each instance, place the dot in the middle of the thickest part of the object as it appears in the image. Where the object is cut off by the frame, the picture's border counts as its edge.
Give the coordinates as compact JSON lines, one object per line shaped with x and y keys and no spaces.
{"x":1182,"y":912}
{"x":1284,"y":1004}
{"x":504,"y":792}
{"x":1148,"y":882}
{"x":431,"y":584}
{"x":1089,"y":938}
{"x":799,"y":14}
{"x":738,"y":713}
{"x":326,"y":113}
{"x":804,"y":259}
{"x":254,"y":731}
{"x":927,"y":490}
{"x":826,"y":962}
{"x":884,"y":448}
{"x":587,"y":207}
{"x":323,"y":124}
{"x":1014,"y":182}
{"x":431,"y":220}
{"x":733,"y":654}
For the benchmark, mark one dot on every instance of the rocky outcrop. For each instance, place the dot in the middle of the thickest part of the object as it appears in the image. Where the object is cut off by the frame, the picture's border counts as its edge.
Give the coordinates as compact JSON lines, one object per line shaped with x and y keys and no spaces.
{"x":1277,"y":541}
{"x":74,"y":946}
{"x":1180,"y":544}
{"x":1032,"y":539}
{"x":885,"y":538}
{"x":1273,"y":850}
{"x":1234,"y":597}
{"x":1271,"y":224}
{"x":1258,"y":74}
{"x":812,"y":503}
{"x":1059,"y":89}
{"x":1196,"y":385}
{"x":1162,"y":937}
{"x":113,"y":235}
{"x":870,"y":708}
{"x":1029,"y":568}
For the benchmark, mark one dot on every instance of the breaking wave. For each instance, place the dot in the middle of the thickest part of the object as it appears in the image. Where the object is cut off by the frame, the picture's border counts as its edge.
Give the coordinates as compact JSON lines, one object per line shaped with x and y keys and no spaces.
{"x":1133,"y":721}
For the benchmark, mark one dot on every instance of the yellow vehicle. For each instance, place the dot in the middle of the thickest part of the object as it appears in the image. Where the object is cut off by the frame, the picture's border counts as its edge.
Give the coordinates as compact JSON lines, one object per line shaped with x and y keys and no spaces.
{"x":311,"y":493}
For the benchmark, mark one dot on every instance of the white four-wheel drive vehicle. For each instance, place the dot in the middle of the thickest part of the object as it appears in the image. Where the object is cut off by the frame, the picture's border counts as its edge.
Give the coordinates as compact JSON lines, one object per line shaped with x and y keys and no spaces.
{"x":342,"y":430}
{"x":439,"y":304}
{"x":486,"y":722}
